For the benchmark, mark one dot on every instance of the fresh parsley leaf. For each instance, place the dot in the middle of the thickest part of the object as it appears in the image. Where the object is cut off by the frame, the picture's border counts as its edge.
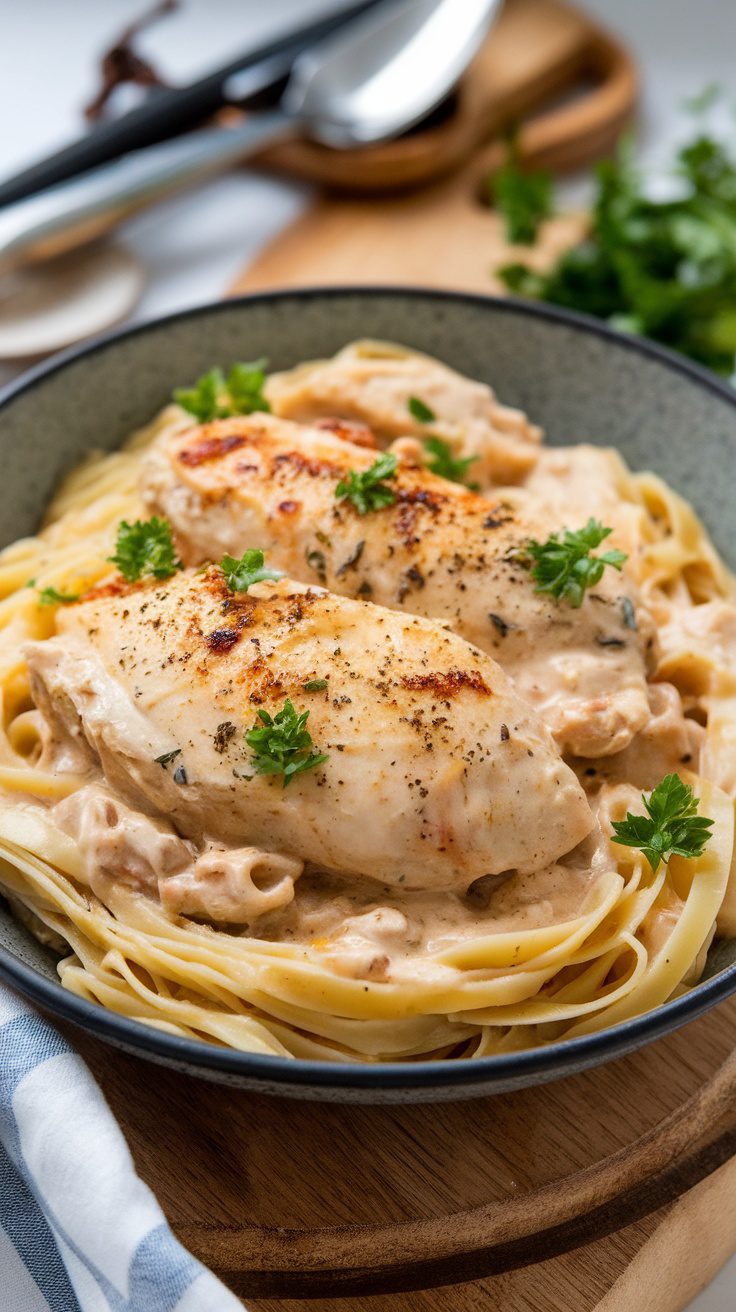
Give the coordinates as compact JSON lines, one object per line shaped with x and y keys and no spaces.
{"x":145,"y":547}
{"x":366,"y":490}
{"x":215,"y":396}
{"x":420,"y":410}
{"x":242,"y":574}
{"x":671,"y":826}
{"x":442,"y":462}
{"x":563,"y":565}
{"x":663,"y":268}
{"x":282,"y":744}
{"x":52,"y":597}
{"x":167,"y":758}
{"x":315,"y":685}
{"x":523,"y":198}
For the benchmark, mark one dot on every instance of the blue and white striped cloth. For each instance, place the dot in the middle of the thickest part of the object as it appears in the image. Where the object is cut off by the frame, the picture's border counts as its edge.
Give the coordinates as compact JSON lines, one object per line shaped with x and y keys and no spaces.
{"x":79,"y":1230}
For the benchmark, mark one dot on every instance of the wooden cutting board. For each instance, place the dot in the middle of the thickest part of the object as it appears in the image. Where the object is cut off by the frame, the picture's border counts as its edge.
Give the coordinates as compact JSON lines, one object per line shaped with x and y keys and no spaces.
{"x":611,"y":1191}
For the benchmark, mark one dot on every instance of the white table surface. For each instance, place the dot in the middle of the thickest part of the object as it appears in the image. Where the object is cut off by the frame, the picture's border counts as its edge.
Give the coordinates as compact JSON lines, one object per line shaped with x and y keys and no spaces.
{"x":193,"y":247}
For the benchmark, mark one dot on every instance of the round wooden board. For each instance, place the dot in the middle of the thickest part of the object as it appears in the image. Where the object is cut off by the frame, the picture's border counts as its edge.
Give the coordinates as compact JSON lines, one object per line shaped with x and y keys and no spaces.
{"x":288,"y":1200}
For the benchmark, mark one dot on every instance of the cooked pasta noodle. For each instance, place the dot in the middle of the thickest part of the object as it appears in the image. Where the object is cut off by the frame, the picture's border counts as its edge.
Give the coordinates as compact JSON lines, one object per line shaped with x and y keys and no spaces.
{"x":592,"y":940}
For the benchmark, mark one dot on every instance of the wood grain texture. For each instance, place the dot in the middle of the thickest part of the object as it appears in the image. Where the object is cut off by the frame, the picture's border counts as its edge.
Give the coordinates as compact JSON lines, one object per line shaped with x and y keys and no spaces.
{"x":260,"y":1188}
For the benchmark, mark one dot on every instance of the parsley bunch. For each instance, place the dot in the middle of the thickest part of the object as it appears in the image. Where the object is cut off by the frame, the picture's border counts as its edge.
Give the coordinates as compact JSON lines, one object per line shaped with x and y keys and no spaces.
{"x":242,"y":574}
{"x":282,"y":744}
{"x":664,"y":269}
{"x":564,"y":566}
{"x":671,"y":826}
{"x":145,"y":547}
{"x":366,"y":490}
{"x":215,"y":396}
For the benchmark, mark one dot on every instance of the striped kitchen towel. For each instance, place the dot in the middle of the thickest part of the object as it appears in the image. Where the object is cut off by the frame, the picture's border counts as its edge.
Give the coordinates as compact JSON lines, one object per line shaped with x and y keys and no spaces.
{"x":79,"y":1231}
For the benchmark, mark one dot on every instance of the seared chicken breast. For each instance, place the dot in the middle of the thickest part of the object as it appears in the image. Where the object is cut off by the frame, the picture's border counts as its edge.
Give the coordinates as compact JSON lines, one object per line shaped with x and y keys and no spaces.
{"x":439,"y":550}
{"x":378,"y":384}
{"x":436,"y":771}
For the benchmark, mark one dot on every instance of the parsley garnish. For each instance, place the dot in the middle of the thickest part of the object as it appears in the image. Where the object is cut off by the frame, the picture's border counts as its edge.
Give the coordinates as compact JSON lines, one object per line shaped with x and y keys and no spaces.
{"x":282,"y":744}
{"x":167,"y":758}
{"x":661,"y":268}
{"x":366,"y":490}
{"x":145,"y":547}
{"x":442,"y":462}
{"x":52,"y":597}
{"x":563,"y":565}
{"x":524,"y":199}
{"x":315,"y":685}
{"x":420,"y":410}
{"x":671,"y":826}
{"x":242,"y":574}
{"x":215,"y":396}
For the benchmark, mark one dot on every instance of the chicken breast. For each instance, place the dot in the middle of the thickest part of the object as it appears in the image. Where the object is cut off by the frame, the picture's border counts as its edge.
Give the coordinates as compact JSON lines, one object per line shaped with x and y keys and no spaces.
{"x":439,"y":551}
{"x":374,"y":382}
{"x":437,"y":773}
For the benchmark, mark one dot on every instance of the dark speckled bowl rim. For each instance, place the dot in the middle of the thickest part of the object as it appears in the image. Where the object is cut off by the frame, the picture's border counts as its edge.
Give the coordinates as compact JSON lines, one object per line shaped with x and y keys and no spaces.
{"x":518,"y":1068}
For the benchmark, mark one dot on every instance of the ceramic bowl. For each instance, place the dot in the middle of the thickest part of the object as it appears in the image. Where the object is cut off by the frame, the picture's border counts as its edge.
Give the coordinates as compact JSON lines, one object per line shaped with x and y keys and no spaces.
{"x":580,"y":380}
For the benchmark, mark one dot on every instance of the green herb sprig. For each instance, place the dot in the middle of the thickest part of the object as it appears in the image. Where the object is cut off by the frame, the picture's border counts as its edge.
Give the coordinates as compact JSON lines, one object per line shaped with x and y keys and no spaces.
{"x":442,"y":462}
{"x":281,"y":744}
{"x":366,"y":490}
{"x":242,"y":574}
{"x":671,"y":826}
{"x":217,"y":396}
{"x":52,"y":597}
{"x":563,"y":565}
{"x":145,"y":547}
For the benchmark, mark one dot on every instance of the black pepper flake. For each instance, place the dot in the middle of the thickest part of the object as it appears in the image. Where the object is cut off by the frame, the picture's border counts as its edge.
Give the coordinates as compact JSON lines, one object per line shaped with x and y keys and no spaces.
{"x":180,"y":775}
{"x":351,"y":561}
{"x":627,"y":611}
{"x":224,"y":733}
{"x":411,"y":577}
{"x":609,"y":642}
{"x":505,"y":735}
{"x":365,"y":589}
{"x":501,"y":624}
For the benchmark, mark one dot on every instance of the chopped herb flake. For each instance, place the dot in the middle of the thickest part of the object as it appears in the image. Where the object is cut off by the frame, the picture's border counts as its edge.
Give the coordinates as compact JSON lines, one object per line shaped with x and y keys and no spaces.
{"x":420,"y":410}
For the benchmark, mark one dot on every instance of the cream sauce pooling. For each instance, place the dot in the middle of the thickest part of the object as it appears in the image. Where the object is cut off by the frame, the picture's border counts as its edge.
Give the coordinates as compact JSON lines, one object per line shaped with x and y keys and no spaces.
{"x":387,"y":934}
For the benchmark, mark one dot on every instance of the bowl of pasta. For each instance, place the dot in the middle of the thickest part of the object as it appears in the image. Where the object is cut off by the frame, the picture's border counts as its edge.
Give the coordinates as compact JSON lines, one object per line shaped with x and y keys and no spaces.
{"x":368,"y":665}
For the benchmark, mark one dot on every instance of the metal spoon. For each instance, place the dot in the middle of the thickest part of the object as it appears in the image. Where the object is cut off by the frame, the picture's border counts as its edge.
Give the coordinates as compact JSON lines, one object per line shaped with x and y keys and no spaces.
{"x":377,"y":77}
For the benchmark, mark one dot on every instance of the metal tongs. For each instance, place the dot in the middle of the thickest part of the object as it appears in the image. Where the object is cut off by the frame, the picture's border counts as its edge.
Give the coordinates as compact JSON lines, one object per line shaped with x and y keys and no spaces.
{"x":366,"y":80}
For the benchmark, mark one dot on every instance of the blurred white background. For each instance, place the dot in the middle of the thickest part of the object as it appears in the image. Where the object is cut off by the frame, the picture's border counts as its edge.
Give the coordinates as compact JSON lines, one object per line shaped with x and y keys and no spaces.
{"x":193,"y":247}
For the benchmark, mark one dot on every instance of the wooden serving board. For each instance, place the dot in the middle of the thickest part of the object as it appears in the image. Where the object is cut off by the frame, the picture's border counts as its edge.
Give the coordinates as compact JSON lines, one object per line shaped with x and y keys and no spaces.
{"x":571,"y":1197}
